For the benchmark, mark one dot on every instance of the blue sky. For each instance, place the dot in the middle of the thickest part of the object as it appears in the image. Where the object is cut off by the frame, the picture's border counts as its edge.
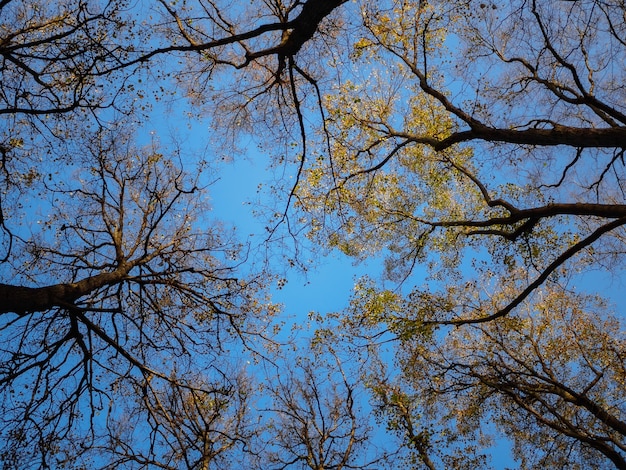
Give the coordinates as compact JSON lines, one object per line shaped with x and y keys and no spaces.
{"x":325,"y":288}
{"x":328,"y":285}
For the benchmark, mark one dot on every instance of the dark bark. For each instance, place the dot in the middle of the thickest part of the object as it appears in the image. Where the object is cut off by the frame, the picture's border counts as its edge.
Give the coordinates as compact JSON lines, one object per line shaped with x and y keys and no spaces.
{"x":611,"y":137}
{"x":306,"y":23}
{"x":301,"y":29}
{"x":559,"y":261}
{"x":23,"y":300}
{"x":577,"y":137}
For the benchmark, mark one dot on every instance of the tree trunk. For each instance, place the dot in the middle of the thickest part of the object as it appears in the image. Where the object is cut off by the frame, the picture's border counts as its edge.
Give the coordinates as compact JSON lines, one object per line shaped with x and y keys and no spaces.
{"x":23,"y":300}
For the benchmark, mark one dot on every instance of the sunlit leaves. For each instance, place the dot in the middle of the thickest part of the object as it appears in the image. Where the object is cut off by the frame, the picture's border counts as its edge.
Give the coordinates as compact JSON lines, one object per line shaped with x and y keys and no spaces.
{"x":383,"y":189}
{"x":477,"y":147}
{"x":550,"y":378}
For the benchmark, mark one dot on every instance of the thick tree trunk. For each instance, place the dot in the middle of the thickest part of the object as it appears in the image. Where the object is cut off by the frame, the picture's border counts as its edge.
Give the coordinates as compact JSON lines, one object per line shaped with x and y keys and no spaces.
{"x":306,"y":23}
{"x":301,"y":29}
{"x":610,"y":137}
{"x":23,"y":300}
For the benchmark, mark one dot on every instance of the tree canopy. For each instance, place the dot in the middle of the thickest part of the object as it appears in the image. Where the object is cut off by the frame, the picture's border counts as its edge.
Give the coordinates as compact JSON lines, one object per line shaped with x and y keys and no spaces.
{"x":476,"y":148}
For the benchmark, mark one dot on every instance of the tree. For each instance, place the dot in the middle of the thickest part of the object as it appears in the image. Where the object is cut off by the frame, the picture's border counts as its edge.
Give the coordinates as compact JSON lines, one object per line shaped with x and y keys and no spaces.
{"x":184,"y":424}
{"x":121,"y":274}
{"x":142,"y":288}
{"x":316,"y":420}
{"x":75,"y":61}
{"x":549,"y":377}
{"x":56,"y":53}
{"x":499,"y":129}
{"x":480,"y":146}
{"x":481,"y":141}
